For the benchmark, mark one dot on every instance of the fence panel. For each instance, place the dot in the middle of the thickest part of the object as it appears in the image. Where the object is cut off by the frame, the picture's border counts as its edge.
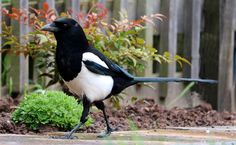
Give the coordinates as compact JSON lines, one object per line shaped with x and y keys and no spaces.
{"x":168,"y":42}
{"x":192,"y":36}
{"x":19,"y":70}
{"x":226,"y":88}
{"x":145,"y":7}
{"x":119,"y":6}
{"x":207,"y":44}
{"x":0,"y":50}
{"x":24,"y":61}
{"x":74,"y":6}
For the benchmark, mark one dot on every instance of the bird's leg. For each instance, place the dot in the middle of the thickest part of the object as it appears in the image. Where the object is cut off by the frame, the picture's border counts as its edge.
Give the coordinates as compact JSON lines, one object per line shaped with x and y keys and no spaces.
{"x":83,"y":119}
{"x":100,"y":105}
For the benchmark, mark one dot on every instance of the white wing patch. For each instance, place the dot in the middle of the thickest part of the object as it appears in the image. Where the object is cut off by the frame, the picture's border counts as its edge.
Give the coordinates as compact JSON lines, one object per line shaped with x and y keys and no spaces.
{"x":90,"y":56}
{"x":96,"y":87}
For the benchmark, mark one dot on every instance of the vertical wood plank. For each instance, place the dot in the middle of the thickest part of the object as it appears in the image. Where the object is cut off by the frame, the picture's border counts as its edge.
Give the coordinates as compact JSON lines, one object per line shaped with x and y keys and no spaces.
{"x":168,"y":42}
{"x":51,"y":3}
{"x":0,"y":50}
{"x":24,"y":61}
{"x":74,"y":6}
{"x":209,"y":51}
{"x":195,"y":37}
{"x":15,"y":65}
{"x":125,"y":6}
{"x":187,"y":36}
{"x":131,"y":10}
{"x":19,"y":70}
{"x":226,"y":89}
{"x":148,"y":35}
{"x":192,"y":37}
{"x":119,"y":6}
{"x":180,"y":15}
{"x":156,"y":9}
{"x":234,"y":62}
{"x":145,"y":7}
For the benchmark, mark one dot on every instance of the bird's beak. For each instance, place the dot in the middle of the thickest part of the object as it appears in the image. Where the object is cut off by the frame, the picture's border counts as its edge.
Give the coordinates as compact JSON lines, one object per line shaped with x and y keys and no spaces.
{"x":50,"y":27}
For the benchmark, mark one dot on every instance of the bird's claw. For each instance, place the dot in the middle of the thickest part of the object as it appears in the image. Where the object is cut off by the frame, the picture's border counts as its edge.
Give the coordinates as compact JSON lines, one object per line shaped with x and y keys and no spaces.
{"x":64,"y":137}
{"x":107,"y":133}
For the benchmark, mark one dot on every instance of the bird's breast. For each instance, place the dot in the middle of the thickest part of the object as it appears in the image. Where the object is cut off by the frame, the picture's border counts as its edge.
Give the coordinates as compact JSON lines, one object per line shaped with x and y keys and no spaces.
{"x":94,"y":86}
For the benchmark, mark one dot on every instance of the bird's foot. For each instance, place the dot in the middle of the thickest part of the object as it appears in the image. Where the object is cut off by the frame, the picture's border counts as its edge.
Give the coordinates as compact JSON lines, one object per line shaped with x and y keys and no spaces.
{"x":67,"y":136}
{"x":107,"y":133}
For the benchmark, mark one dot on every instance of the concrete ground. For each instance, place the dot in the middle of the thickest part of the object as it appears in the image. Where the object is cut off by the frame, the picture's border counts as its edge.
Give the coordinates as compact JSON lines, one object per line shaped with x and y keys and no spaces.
{"x":170,"y":136}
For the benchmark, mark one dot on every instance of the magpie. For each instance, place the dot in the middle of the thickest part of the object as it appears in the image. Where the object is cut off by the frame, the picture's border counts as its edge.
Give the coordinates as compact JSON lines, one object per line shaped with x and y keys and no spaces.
{"x":88,"y":73}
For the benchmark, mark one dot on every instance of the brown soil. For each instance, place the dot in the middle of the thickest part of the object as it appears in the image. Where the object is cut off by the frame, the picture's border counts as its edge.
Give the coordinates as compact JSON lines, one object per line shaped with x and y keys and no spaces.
{"x":143,"y":114}
{"x":6,"y":125}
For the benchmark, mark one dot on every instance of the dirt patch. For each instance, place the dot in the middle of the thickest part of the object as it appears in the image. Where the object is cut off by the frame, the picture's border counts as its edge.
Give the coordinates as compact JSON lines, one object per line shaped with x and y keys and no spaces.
{"x":144,"y":114}
{"x":6,"y":125}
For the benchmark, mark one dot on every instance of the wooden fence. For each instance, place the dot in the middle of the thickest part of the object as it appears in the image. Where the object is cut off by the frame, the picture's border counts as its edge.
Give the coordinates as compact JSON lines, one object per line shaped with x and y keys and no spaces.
{"x":202,"y":30}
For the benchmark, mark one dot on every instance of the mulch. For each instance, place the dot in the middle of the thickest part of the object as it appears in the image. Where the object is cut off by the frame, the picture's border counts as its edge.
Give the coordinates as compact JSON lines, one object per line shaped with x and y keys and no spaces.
{"x":143,"y":114}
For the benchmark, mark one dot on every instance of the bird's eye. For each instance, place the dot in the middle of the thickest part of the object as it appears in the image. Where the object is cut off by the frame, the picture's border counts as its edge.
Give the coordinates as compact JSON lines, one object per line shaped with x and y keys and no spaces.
{"x":65,"y":25}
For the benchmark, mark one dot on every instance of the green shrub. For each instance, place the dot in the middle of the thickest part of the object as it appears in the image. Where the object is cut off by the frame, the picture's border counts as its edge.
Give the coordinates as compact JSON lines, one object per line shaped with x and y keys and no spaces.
{"x":50,"y":107}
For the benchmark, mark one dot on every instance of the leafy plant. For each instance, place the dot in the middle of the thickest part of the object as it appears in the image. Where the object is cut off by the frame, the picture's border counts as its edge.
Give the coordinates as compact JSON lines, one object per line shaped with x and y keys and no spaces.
{"x":49,"y":107}
{"x":120,"y":41}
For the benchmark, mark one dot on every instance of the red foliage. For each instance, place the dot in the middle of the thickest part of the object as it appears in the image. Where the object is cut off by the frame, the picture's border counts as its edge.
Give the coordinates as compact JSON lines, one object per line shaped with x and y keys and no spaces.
{"x":22,"y":15}
{"x":46,"y":13}
{"x":17,"y":14}
{"x":95,"y":17}
{"x":45,"y":6}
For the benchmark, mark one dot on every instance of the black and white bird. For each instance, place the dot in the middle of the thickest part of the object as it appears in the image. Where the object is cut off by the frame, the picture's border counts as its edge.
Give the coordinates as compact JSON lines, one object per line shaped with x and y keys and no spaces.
{"x":88,"y":73}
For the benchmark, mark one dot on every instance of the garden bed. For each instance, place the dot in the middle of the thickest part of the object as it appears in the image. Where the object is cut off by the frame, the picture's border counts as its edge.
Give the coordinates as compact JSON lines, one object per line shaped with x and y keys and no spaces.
{"x":144,"y":114}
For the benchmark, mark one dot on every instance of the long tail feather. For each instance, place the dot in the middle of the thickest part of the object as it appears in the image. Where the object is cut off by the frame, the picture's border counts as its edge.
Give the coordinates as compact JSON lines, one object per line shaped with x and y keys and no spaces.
{"x":169,"y":79}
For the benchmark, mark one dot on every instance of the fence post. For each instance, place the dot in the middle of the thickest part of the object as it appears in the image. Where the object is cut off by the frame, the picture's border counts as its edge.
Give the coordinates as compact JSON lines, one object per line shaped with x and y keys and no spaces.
{"x":210,"y":45}
{"x":0,"y":50}
{"x":168,"y":42}
{"x":119,"y":6}
{"x":145,"y":7}
{"x":226,"y":88}
{"x":74,"y":6}
{"x":19,"y":72}
{"x":129,"y":6}
{"x":51,"y":3}
{"x":192,"y":37}
{"x":24,"y":60}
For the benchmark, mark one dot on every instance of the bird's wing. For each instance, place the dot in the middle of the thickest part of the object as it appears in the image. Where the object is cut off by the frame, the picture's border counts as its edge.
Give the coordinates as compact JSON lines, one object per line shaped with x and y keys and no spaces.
{"x":114,"y":70}
{"x":96,"y":62}
{"x":97,"y":68}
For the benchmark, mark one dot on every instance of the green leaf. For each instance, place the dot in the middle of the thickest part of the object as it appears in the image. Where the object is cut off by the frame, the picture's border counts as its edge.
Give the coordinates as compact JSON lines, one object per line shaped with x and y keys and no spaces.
{"x":42,"y":38}
{"x":140,"y":41}
{"x":9,"y":43}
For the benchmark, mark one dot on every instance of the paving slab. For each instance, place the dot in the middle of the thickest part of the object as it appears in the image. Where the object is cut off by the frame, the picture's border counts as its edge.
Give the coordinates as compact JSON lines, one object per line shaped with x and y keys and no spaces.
{"x":171,"y":136}
{"x":208,"y":128}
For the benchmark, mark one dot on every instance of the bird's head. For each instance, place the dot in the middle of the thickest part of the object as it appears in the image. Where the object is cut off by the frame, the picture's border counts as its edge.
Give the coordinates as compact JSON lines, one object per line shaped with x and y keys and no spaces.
{"x":61,"y":25}
{"x":67,"y":30}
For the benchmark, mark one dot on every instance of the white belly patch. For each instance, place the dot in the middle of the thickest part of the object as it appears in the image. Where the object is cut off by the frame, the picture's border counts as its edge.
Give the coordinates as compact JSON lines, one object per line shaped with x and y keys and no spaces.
{"x":96,"y":87}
